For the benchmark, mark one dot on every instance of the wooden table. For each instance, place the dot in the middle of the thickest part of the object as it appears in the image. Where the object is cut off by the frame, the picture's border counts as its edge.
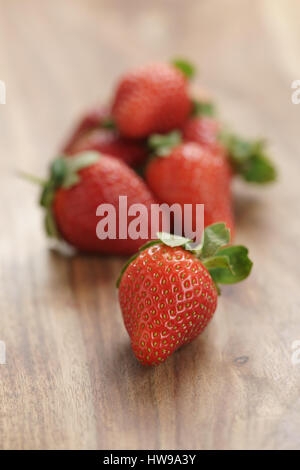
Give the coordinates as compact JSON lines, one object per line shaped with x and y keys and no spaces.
{"x":70,"y":379}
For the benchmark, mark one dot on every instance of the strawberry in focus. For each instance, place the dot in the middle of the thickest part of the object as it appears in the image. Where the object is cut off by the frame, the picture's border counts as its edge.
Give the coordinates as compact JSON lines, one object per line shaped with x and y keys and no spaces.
{"x":168,"y":292}
{"x":152,"y":98}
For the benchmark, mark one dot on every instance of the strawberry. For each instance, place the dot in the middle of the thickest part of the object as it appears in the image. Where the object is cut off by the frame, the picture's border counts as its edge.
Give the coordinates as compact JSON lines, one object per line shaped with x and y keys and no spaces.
{"x":108,"y":141}
{"x":168,"y":291}
{"x":153,"y":98}
{"x":97,"y":117}
{"x":75,"y":189}
{"x":248,"y":158}
{"x":96,"y":131}
{"x":189,"y":173}
{"x":202,"y":130}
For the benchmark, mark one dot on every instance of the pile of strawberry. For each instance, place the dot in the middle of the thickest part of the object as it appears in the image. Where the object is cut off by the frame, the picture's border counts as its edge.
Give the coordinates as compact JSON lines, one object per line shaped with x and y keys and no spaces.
{"x":156,"y":143}
{"x":153,"y":115}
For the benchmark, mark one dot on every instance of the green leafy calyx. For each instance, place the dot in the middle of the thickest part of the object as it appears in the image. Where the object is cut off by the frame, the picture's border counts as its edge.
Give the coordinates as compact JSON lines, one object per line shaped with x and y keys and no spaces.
{"x":226,"y":264}
{"x":162,"y":144}
{"x":185,"y":67}
{"x":249,"y":158}
{"x":203,"y":108}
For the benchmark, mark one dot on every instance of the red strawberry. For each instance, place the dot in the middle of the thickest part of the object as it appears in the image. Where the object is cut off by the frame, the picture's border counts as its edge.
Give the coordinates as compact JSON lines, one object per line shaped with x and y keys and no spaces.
{"x":108,"y":141}
{"x":248,"y":158}
{"x":96,"y":132}
{"x":93,"y":119}
{"x":77,"y":187}
{"x":192,"y":174}
{"x":167,"y":294}
{"x":202,"y":130}
{"x":153,"y":98}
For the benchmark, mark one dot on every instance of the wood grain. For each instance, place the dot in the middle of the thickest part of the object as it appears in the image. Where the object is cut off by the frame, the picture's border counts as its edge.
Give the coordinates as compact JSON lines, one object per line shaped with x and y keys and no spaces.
{"x":71,"y":380}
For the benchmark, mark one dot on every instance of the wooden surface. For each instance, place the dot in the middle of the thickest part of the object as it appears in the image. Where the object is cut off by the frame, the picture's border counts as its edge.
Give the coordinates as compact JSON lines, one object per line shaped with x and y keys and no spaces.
{"x":70,"y":380}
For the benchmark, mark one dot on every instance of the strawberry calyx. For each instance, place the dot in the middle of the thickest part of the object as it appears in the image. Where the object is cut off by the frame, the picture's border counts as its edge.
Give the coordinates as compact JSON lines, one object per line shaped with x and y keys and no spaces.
{"x":161,"y":145}
{"x":186,"y":67}
{"x":203,"y":108}
{"x":64,"y":173}
{"x":226,"y":264}
{"x":249,"y":158}
{"x":108,"y":123}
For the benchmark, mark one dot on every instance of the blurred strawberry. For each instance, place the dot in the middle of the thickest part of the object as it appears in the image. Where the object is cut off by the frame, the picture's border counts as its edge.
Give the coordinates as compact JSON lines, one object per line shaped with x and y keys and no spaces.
{"x":152,"y":98}
{"x":95,"y":118}
{"x":248,"y":158}
{"x":73,"y":192}
{"x":96,"y":131}
{"x":203,"y":130}
{"x":108,"y":141}
{"x":191,"y":174}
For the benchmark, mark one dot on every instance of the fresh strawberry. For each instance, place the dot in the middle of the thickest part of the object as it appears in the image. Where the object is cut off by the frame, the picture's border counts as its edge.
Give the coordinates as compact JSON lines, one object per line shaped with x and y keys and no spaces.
{"x":109,"y":142}
{"x":248,"y":158}
{"x":75,"y":189}
{"x":96,"y":131}
{"x":153,"y":98}
{"x":168,"y":291}
{"x":96,"y":118}
{"x":193,"y":174}
{"x":202,"y":130}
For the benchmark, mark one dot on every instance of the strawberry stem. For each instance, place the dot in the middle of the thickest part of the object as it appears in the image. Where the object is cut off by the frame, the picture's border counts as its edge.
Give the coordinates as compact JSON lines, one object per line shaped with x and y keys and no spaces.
{"x":31,"y":178}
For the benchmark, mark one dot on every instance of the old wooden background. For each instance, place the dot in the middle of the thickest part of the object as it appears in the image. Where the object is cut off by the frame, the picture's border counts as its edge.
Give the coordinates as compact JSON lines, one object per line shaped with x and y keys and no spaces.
{"x":70,"y":379}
